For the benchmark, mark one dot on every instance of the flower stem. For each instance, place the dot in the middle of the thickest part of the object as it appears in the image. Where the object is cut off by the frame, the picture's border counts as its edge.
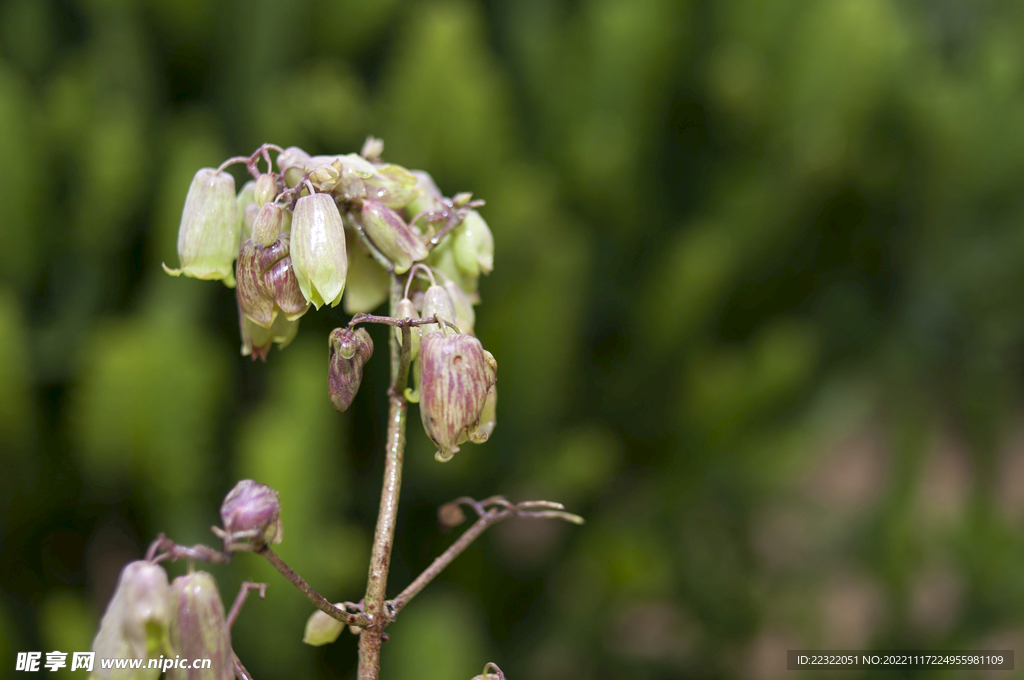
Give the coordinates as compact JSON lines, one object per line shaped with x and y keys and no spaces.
{"x":383,"y":539}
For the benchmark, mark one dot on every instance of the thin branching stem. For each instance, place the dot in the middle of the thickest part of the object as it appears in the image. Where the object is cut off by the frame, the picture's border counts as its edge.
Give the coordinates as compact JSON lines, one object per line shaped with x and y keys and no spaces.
{"x":243,"y":593}
{"x":318,"y":600}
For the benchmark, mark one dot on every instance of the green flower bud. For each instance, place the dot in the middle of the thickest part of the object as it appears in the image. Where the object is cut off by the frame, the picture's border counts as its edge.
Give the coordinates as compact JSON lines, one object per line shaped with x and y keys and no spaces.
{"x":349,"y":351}
{"x":268,"y":224}
{"x":256,"y":340}
{"x":462,"y":306}
{"x":246,"y":197}
{"x":442,"y":258}
{"x":473,"y":245}
{"x":265,"y":190}
{"x":406,"y":310}
{"x":249,"y":214}
{"x":267,"y":282}
{"x":428,"y":197}
{"x":318,"y":249}
{"x":391,"y":185}
{"x":324,"y":172}
{"x":208,"y":235}
{"x":367,"y":284}
{"x":251,"y":511}
{"x":322,"y":629}
{"x":436,"y":301}
{"x":135,"y":624}
{"x":198,"y":628}
{"x":292,"y":164}
{"x":455,"y":378}
{"x":392,"y":236}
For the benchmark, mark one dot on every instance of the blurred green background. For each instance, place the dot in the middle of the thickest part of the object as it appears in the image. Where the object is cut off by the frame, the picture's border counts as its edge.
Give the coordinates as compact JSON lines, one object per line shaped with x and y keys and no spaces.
{"x":757,"y":306}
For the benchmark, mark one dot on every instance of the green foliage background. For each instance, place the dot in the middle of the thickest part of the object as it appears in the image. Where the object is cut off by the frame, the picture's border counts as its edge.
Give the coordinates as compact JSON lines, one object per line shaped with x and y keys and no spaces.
{"x":757,"y":308}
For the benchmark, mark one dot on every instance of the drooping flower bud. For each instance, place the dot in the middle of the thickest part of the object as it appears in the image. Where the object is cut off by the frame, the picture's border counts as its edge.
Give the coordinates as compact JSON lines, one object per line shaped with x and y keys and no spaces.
{"x":392,"y":236}
{"x":324,"y":172}
{"x":253,"y":302}
{"x":349,"y":351}
{"x":428,"y":198}
{"x":256,"y":340}
{"x":198,"y":629}
{"x":246,"y":197}
{"x":436,"y":301}
{"x":318,"y":249}
{"x":208,"y":235}
{"x":265,"y":190}
{"x":322,"y":629}
{"x":250,"y":515}
{"x":367,"y":284}
{"x":406,"y":310}
{"x":462,"y":306}
{"x":455,"y":378}
{"x":292,"y":164}
{"x":473,"y":245}
{"x":135,"y":624}
{"x":391,"y":185}
{"x":268,"y":224}
{"x":442,"y":258}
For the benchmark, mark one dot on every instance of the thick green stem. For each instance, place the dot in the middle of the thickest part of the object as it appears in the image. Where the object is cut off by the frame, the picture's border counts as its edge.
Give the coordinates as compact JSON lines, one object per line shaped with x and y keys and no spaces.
{"x":383,"y":539}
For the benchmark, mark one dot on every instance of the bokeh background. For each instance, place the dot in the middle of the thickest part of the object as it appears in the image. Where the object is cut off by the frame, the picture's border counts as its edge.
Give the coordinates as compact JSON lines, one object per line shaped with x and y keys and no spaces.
{"x":757,"y":306}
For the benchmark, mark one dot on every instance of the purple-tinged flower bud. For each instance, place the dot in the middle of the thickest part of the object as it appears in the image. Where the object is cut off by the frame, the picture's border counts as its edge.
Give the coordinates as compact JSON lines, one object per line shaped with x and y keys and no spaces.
{"x":269,"y":223}
{"x":252,"y":300}
{"x":392,"y":236}
{"x":367,"y":284}
{"x":392,"y":185}
{"x":349,"y":351}
{"x":198,"y":628}
{"x":251,"y":511}
{"x":318,"y":249}
{"x":246,"y":197}
{"x":278,"y":278}
{"x":322,"y":629}
{"x":462,"y":306}
{"x":135,"y":624}
{"x":406,"y":310}
{"x":208,"y":235}
{"x":473,"y":245}
{"x":265,"y":190}
{"x":455,"y":378}
{"x":436,"y":301}
{"x":292,"y":164}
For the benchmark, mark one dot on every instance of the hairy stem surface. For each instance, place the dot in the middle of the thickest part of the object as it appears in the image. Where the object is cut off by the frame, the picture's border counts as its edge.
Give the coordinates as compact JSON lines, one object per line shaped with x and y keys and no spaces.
{"x":383,"y":538}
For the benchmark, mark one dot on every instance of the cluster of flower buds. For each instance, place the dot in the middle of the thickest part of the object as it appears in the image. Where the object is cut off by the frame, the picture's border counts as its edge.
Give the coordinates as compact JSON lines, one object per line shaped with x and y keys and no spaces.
{"x":149,"y":619}
{"x":321,"y":229}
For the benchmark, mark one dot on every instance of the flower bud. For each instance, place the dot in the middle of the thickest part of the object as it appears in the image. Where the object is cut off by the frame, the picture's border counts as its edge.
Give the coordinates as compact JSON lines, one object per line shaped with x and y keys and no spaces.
{"x":318,"y":249}
{"x":251,"y":511}
{"x":372,"y":149}
{"x":256,"y":340}
{"x":265,"y":190}
{"x":392,"y":236}
{"x":391,"y":185}
{"x":428,"y":197}
{"x":367,"y":284}
{"x":442,"y":259}
{"x":406,"y":310}
{"x":322,"y":629}
{"x":436,"y":301}
{"x":455,"y":378}
{"x":462,"y":306}
{"x":208,"y":235}
{"x":326,"y":175}
{"x":473,"y":245}
{"x":246,"y":197}
{"x":135,"y":624}
{"x":349,"y":351}
{"x":278,"y":278}
{"x":292,"y":164}
{"x":198,"y":629}
{"x":268,"y":224}
{"x":252,"y":301}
